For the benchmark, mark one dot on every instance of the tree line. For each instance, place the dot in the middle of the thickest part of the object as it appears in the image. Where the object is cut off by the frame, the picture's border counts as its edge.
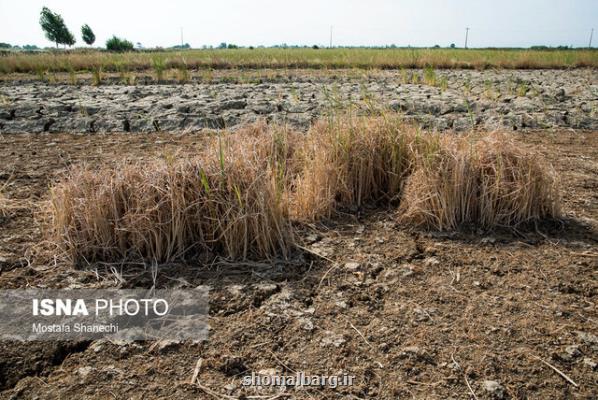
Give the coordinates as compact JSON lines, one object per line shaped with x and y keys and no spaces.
{"x":56,"y":30}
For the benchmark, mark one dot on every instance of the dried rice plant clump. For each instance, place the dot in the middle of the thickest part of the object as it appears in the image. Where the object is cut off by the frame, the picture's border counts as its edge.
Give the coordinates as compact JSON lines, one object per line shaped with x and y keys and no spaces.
{"x":267,"y":146}
{"x":492,"y":181}
{"x":222,"y":203}
{"x":350,"y":161}
{"x":240,"y":195}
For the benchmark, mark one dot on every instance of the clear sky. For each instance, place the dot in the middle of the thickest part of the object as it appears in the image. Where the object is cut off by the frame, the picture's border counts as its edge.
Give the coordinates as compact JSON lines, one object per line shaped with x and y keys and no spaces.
{"x":517,"y":23}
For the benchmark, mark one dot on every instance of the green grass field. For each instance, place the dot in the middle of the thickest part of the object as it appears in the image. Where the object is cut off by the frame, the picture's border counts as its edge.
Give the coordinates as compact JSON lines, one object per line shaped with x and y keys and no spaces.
{"x":89,"y":60}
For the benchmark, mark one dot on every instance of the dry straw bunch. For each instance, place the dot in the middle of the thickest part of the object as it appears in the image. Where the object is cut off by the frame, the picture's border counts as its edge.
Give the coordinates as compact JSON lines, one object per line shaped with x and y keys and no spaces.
{"x":228,"y":200}
{"x":240,"y":196}
{"x":352,"y":161}
{"x":488,"y":181}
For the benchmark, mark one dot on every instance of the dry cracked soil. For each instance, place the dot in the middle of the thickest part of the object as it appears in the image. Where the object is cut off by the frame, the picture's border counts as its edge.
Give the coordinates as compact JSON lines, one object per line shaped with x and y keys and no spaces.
{"x":459,"y":100}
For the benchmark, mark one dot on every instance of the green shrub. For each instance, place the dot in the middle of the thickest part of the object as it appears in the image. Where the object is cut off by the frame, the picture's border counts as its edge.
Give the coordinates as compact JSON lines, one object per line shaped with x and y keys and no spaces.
{"x":119,"y":45}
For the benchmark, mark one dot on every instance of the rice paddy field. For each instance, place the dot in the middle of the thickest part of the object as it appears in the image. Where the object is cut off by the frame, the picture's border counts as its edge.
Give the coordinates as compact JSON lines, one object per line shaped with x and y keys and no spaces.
{"x":423,"y":220}
{"x":338,"y":58}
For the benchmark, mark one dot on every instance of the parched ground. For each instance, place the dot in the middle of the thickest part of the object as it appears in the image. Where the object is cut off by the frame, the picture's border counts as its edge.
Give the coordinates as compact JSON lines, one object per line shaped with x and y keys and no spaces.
{"x":409,"y":314}
{"x":444,"y":99}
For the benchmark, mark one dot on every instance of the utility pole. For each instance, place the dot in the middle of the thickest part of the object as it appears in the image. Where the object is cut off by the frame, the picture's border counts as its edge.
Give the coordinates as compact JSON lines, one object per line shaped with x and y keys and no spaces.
{"x":182,"y":43}
{"x":331,"y":28}
{"x":591,"y":37}
{"x":466,"y":36}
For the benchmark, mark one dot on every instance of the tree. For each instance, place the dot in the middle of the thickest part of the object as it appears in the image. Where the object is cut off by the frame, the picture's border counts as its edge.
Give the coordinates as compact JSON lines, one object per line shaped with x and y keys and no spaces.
{"x":87,"y":34}
{"x":118,"y":44}
{"x":55,"y":29}
{"x":69,"y":38}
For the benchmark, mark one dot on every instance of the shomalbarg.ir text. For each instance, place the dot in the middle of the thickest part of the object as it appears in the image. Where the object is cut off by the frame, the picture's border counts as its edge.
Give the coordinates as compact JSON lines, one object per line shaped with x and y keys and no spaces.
{"x":300,"y":379}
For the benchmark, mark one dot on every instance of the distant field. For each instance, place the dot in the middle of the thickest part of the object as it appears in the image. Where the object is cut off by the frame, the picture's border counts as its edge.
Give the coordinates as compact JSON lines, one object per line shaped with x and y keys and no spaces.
{"x":81,"y":60}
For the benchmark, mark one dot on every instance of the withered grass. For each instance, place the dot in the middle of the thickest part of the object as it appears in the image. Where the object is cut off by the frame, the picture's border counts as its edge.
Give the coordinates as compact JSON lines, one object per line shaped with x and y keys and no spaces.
{"x":485,"y":181}
{"x":244,"y":194}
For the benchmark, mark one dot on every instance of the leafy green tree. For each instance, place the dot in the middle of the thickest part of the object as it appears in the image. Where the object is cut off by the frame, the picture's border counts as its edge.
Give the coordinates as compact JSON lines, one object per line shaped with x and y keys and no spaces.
{"x":55,"y":29}
{"x":118,"y":44}
{"x":69,"y":38}
{"x":87,"y":34}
